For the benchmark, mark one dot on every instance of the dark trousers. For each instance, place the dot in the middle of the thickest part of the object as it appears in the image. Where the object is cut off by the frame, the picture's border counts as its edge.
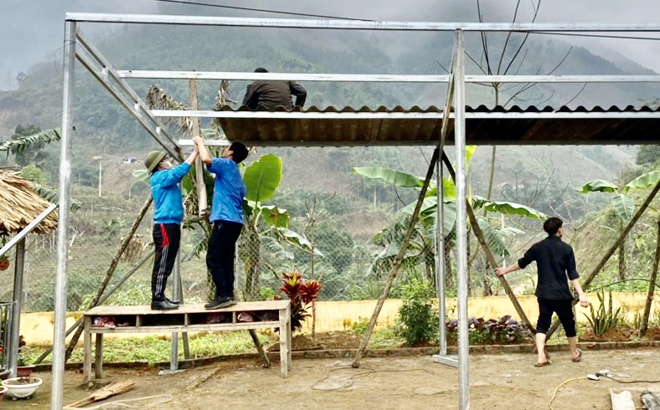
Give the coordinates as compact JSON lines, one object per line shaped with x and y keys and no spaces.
{"x":563,"y":308}
{"x":166,"y":239}
{"x":220,"y":256}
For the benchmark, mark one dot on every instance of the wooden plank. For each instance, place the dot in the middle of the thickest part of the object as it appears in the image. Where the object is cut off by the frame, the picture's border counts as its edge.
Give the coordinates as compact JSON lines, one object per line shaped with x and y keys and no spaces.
{"x":192,"y":308}
{"x":98,"y":357}
{"x":87,"y":361}
{"x":191,"y":328}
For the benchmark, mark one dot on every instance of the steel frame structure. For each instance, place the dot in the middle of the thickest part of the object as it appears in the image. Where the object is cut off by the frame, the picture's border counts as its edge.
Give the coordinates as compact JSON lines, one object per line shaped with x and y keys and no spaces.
{"x":77,"y":46}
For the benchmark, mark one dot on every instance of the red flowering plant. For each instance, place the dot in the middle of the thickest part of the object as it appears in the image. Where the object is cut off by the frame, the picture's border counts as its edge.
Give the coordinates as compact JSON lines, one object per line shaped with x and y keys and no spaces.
{"x":301,"y":293}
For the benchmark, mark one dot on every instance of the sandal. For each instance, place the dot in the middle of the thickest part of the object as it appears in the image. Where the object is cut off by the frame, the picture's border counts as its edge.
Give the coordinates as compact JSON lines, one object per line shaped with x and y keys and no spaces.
{"x":546,"y":363}
{"x":579,"y":356}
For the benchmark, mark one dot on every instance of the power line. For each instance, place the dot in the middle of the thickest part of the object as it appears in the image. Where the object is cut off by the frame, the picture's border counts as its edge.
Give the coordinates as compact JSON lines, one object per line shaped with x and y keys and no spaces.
{"x":290,"y":13}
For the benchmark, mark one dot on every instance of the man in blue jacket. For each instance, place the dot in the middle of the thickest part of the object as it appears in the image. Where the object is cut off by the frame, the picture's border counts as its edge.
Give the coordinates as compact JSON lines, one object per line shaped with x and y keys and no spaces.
{"x":168,"y":215}
{"x":226,"y":217}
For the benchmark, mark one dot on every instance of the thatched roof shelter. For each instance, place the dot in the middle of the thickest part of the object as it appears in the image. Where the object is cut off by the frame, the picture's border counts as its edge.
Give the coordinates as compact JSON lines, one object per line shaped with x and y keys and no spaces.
{"x":20,"y":205}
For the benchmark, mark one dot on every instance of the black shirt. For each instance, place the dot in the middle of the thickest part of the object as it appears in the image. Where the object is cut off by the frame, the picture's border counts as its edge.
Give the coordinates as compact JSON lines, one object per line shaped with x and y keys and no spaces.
{"x":554,"y":260}
{"x":271,"y":94}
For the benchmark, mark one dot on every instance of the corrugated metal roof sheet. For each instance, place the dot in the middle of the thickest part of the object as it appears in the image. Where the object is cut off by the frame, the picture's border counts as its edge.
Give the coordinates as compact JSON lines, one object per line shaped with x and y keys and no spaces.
{"x":573,"y":128}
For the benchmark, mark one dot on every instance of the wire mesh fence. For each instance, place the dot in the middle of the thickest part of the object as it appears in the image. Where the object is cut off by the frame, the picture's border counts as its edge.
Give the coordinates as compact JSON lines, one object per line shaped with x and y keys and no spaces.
{"x":318,"y":244}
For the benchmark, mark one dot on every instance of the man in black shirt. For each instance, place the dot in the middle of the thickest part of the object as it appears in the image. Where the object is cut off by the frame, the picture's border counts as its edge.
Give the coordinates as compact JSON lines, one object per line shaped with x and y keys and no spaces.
{"x":271,"y":94}
{"x":555,"y":261}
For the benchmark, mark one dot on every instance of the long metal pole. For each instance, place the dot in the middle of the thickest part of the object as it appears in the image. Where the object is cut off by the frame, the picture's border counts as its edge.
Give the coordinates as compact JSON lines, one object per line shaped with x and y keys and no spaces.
{"x":176,"y":295}
{"x":16,"y":308}
{"x":382,"y":78}
{"x":358,"y":24}
{"x":59,"y":342}
{"x":440,"y":217}
{"x":461,"y":226}
{"x":25,"y":231}
{"x":100,"y":177}
{"x":440,"y":260}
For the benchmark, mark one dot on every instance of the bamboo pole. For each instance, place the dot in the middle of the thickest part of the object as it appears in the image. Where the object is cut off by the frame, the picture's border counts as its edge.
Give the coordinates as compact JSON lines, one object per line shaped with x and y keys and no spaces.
{"x":111,"y":270}
{"x":397,"y":263}
{"x":489,"y":255}
{"x":651,"y":292}
{"x":611,"y":251}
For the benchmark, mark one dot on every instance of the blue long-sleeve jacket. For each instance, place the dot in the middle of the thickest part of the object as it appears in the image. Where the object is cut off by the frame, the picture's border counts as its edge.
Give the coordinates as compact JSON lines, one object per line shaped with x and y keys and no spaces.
{"x":167,"y":194}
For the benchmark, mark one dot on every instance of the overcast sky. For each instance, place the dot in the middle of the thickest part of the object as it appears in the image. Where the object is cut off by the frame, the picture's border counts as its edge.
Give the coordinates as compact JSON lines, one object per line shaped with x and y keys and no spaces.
{"x":31,"y":30}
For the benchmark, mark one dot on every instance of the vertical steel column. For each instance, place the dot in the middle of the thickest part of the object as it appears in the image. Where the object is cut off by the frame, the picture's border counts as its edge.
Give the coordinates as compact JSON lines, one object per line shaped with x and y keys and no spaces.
{"x":461,"y":225}
{"x":440,"y":257}
{"x":59,"y":342}
{"x":176,"y":295}
{"x":17,"y":303}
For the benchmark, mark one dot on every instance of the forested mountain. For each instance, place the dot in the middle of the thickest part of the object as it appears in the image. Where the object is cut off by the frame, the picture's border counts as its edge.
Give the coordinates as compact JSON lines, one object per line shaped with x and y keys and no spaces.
{"x":102,"y":127}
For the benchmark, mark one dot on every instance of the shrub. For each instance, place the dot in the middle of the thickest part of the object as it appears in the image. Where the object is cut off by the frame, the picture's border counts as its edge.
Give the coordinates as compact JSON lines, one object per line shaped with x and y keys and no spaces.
{"x":360,"y":326}
{"x":301,"y":294}
{"x":504,"y":330}
{"x":418,"y":320}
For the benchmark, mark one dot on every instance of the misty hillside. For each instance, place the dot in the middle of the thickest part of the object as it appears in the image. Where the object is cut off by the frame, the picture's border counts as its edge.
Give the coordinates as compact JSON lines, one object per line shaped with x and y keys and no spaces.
{"x":102,"y":127}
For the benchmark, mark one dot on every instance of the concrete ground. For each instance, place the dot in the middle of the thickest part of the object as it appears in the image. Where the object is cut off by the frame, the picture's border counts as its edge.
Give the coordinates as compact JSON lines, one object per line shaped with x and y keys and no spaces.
{"x":501,"y":381}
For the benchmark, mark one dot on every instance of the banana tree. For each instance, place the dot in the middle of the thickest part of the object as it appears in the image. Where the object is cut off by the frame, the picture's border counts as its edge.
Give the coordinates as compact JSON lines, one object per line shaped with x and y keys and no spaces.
{"x":421,"y":248}
{"x":266,"y":224}
{"x":622,"y":203}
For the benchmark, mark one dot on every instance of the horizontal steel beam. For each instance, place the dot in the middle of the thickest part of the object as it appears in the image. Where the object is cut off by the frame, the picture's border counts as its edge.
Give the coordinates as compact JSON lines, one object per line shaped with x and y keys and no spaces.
{"x":298,"y":115}
{"x":357,"y":25}
{"x":384,"y":78}
{"x":208,"y":75}
{"x":488,"y":79}
{"x":213,"y":143}
{"x":402,"y":115}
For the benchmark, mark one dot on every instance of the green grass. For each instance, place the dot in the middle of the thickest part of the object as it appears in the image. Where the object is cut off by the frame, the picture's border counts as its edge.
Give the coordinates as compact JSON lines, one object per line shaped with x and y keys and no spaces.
{"x":386,"y":339}
{"x":157,"y":349}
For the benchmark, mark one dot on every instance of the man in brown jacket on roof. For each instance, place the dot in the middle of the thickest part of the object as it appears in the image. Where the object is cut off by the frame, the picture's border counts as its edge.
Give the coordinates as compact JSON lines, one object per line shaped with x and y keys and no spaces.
{"x":272,"y":94}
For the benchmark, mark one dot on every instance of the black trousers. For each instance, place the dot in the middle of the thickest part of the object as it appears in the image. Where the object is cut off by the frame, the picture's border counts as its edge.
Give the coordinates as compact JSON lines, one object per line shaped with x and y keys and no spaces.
{"x":563,"y":308}
{"x":220,"y":256}
{"x":166,"y":239}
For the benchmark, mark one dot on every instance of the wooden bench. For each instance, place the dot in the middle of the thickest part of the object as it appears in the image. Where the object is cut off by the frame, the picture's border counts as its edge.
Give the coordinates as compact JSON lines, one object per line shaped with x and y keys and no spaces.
{"x":187,"y":318}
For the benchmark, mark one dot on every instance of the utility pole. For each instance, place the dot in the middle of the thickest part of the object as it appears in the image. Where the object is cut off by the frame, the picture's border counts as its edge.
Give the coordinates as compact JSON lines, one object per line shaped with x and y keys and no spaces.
{"x":99,"y":158}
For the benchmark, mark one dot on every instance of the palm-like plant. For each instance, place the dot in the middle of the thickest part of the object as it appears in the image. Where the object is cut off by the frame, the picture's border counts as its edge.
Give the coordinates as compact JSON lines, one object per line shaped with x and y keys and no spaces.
{"x":21,"y":144}
{"x":35,"y":141}
{"x":421,"y":251}
{"x":622,"y":203}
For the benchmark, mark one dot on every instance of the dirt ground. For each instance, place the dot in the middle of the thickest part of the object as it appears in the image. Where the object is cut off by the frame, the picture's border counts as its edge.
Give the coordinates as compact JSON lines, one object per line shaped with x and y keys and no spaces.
{"x":415,"y":382}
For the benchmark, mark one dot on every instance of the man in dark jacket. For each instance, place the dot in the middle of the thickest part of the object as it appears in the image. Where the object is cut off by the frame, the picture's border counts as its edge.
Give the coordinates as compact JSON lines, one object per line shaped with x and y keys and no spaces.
{"x":555,"y":262}
{"x":272,"y":94}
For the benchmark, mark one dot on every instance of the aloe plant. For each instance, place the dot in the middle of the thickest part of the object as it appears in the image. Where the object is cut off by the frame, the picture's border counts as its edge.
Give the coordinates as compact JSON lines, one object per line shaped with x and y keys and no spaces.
{"x":605,"y":317}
